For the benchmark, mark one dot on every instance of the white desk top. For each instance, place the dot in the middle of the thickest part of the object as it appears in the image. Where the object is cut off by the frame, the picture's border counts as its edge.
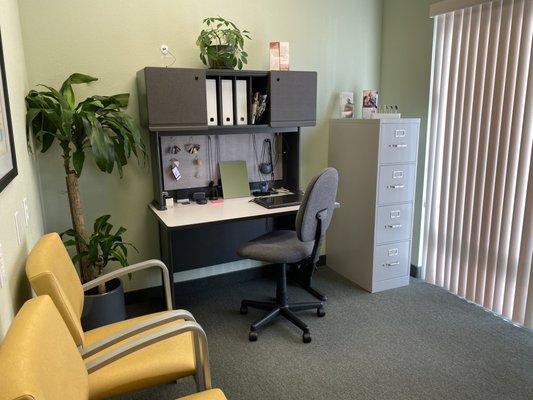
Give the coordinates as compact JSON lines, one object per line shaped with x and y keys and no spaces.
{"x":231,"y":209}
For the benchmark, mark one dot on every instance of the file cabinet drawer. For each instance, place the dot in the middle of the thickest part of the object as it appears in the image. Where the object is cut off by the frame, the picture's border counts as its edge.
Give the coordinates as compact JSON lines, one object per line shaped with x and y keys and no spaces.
{"x":391,"y":261}
{"x":393,"y":223}
{"x":396,"y":183}
{"x":398,"y":143}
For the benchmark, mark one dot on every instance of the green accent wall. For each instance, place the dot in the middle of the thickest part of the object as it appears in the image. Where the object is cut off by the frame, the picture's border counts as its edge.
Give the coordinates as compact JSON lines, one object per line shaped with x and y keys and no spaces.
{"x":407,"y":38}
{"x":26,"y":185}
{"x":340,"y":40}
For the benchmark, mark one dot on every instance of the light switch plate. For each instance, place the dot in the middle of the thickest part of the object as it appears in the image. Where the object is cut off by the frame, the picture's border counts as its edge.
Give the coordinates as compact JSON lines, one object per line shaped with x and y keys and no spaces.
{"x":26,"y":211}
{"x":2,"y":268}
{"x":17,"y":226}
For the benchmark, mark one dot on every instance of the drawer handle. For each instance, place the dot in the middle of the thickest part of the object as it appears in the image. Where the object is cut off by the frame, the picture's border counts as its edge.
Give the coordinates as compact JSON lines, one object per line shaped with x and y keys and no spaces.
{"x":393,"y":226}
{"x":395,"y":214}
{"x":393,"y":252}
{"x":399,"y":145}
{"x":399,"y":133}
{"x":397,"y":174}
{"x":391,"y":264}
{"x":395,"y":186}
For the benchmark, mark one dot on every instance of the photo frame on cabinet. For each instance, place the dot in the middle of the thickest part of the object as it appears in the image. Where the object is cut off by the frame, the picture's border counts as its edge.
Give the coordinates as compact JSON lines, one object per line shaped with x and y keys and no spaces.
{"x":8,"y":162}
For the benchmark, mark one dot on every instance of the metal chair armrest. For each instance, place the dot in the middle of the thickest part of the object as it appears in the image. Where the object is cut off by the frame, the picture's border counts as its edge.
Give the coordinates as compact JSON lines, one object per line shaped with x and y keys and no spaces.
{"x":203,"y":372}
{"x":130,"y":331}
{"x":134,"y":268}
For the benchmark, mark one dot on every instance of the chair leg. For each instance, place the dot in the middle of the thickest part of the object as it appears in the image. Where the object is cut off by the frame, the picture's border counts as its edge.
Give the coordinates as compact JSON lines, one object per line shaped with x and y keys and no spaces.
{"x":305,"y":306}
{"x":299,"y":323}
{"x":315,"y":293}
{"x":281,"y":307}
{"x":265,"y":320}
{"x":294,"y":319}
{"x":260,"y":305}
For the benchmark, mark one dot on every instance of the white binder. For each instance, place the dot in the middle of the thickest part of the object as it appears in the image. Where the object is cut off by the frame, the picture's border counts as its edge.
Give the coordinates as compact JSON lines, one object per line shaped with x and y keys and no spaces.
{"x":211,"y":98}
{"x":227,"y":102}
{"x":242,"y":103}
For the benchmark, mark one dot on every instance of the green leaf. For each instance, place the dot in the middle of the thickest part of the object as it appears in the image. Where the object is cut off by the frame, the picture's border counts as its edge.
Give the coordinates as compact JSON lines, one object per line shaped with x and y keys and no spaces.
{"x":47,"y":139}
{"x":66,"y":89}
{"x":100,"y":222}
{"x":78,"y":159}
{"x":77,"y":78}
{"x":121,"y":99}
{"x":101,"y":144}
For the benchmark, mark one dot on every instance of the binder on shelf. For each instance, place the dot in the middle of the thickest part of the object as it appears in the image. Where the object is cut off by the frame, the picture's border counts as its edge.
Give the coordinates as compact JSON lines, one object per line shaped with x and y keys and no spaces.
{"x":227,"y":102}
{"x":241,"y":101}
{"x":211,"y":97}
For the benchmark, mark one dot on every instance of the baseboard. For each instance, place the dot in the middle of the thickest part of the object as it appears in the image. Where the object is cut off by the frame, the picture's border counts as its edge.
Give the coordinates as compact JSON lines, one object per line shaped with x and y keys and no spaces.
{"x":416,"y":271}
{"x":196,"y":285}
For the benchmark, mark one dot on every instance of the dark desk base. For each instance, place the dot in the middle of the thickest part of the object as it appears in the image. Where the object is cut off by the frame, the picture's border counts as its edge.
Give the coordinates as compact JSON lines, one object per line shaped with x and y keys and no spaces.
{"x":205,"y":245}
{"x":183,"y":289}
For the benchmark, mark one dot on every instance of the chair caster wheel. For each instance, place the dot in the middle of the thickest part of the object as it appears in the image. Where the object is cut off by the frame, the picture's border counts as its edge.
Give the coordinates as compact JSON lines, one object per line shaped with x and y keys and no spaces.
{"x":306,"y":337}
{"x":252,"y":336}
{"x":244,"y":310}
{"x":320,"y":312}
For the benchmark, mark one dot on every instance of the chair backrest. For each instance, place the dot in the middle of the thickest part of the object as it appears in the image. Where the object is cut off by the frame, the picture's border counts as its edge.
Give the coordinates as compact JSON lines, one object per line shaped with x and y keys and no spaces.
{"x":319,"y":195}
{"x":51,"y":271}
{"x":38,"y":358}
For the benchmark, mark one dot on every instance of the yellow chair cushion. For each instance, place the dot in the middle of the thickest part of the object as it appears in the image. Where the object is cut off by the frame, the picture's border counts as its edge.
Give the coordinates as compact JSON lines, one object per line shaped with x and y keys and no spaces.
{"x":157,"y":363}
{"x":213,"y":394}
{"x":38,"y":358}
{"x":50,"y":271}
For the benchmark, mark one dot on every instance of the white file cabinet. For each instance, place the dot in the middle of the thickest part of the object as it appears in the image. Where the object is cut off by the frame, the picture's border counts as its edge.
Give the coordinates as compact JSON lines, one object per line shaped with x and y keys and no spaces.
{"x":369,"y":240}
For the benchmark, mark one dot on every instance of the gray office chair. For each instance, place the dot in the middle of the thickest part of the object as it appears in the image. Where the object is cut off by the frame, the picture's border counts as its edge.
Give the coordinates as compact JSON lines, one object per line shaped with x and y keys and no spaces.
{"x":294,"y":247}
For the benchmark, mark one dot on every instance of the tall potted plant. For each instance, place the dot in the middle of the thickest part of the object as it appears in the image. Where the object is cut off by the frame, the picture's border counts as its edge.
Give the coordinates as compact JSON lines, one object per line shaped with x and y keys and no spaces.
{"x":96,"y":126}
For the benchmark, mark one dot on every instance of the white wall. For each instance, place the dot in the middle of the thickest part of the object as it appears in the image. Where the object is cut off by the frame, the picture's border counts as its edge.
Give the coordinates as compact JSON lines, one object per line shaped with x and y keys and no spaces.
{"x":26,"y":184}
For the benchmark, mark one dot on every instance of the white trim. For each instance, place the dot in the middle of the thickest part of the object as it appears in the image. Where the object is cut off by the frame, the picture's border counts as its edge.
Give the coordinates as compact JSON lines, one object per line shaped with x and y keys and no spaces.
{"x":446,"y":6}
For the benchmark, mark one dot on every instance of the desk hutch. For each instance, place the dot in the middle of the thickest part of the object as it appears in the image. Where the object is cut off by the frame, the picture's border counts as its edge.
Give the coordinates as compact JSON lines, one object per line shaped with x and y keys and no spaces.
{"x":173,"y":108}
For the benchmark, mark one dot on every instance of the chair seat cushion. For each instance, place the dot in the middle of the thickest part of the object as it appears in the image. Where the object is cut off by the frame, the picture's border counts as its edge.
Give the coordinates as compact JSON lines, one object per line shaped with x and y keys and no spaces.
{"x":155,"y":364}
{"x":277,"y":247}
{"x":213,"y":394}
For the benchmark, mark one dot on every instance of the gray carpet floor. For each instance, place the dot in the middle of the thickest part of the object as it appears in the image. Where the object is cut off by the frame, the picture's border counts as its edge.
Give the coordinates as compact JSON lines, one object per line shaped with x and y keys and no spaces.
{"x":416,"y":342}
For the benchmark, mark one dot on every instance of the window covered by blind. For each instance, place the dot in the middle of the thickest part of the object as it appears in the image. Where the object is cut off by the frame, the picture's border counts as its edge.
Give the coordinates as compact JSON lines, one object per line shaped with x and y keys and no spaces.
{"x":478,"y":227}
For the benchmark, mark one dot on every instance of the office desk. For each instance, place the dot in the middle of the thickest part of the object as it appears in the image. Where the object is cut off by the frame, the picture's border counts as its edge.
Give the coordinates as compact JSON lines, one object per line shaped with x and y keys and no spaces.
{"x":182,"y":216}
{"x":194,"y":236}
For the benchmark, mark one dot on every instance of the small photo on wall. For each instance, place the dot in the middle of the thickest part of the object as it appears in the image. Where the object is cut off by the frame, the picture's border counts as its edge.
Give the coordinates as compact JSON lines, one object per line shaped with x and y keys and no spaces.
{"x":8,"y":164}
{"x":346,"y":105}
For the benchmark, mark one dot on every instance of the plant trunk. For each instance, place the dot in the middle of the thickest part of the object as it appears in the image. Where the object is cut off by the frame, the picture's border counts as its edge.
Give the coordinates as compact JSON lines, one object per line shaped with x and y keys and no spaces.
{"x":78,"y":221}
{"x":102,"y":288}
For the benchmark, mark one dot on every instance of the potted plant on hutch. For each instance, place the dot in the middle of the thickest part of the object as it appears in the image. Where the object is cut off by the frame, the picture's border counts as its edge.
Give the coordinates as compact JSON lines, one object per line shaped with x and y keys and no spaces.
{"x":221,"y":44}
{"x":98,"y":126}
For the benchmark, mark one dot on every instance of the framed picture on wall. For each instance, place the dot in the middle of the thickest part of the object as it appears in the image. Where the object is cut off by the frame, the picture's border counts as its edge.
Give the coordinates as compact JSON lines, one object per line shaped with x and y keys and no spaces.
{"x":8,"y":162}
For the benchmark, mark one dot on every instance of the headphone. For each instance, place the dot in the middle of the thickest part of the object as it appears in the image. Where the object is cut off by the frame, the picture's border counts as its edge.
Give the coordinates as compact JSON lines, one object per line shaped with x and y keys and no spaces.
{"x":266,"y":167}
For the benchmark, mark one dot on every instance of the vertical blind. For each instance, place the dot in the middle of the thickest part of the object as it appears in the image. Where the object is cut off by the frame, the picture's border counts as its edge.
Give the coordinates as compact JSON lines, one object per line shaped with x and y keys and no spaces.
{"x":478,"y":226}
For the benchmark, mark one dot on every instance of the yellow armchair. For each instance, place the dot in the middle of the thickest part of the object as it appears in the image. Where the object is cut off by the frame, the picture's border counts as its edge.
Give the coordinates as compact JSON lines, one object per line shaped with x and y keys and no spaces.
{"x":128,"y":355}
{"x":40,"y":361}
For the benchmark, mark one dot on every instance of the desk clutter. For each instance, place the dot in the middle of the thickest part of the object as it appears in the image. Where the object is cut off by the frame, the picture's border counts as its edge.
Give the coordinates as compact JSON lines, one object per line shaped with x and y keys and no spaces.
{"x":193,"y":161}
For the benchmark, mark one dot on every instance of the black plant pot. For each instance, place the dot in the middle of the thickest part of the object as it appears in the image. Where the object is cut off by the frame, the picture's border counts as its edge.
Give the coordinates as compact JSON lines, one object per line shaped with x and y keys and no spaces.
{"x":104,"y":309}
{"x":220,"y":64}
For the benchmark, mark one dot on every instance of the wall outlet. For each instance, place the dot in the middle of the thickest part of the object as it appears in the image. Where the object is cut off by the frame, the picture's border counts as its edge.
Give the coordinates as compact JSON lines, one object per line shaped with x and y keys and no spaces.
{"x":26,"y":211}
{"x":164,"y":49}
{"x":17,"y":226}
{"x":3,"y":275}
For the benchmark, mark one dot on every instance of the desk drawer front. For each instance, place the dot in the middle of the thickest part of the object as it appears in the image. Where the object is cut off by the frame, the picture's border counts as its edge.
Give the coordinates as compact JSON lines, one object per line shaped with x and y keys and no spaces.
{"x":391,"y":261}
{"x":396,"y":183}
{"x":398,"y":143}
{"x":393,"y":223}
